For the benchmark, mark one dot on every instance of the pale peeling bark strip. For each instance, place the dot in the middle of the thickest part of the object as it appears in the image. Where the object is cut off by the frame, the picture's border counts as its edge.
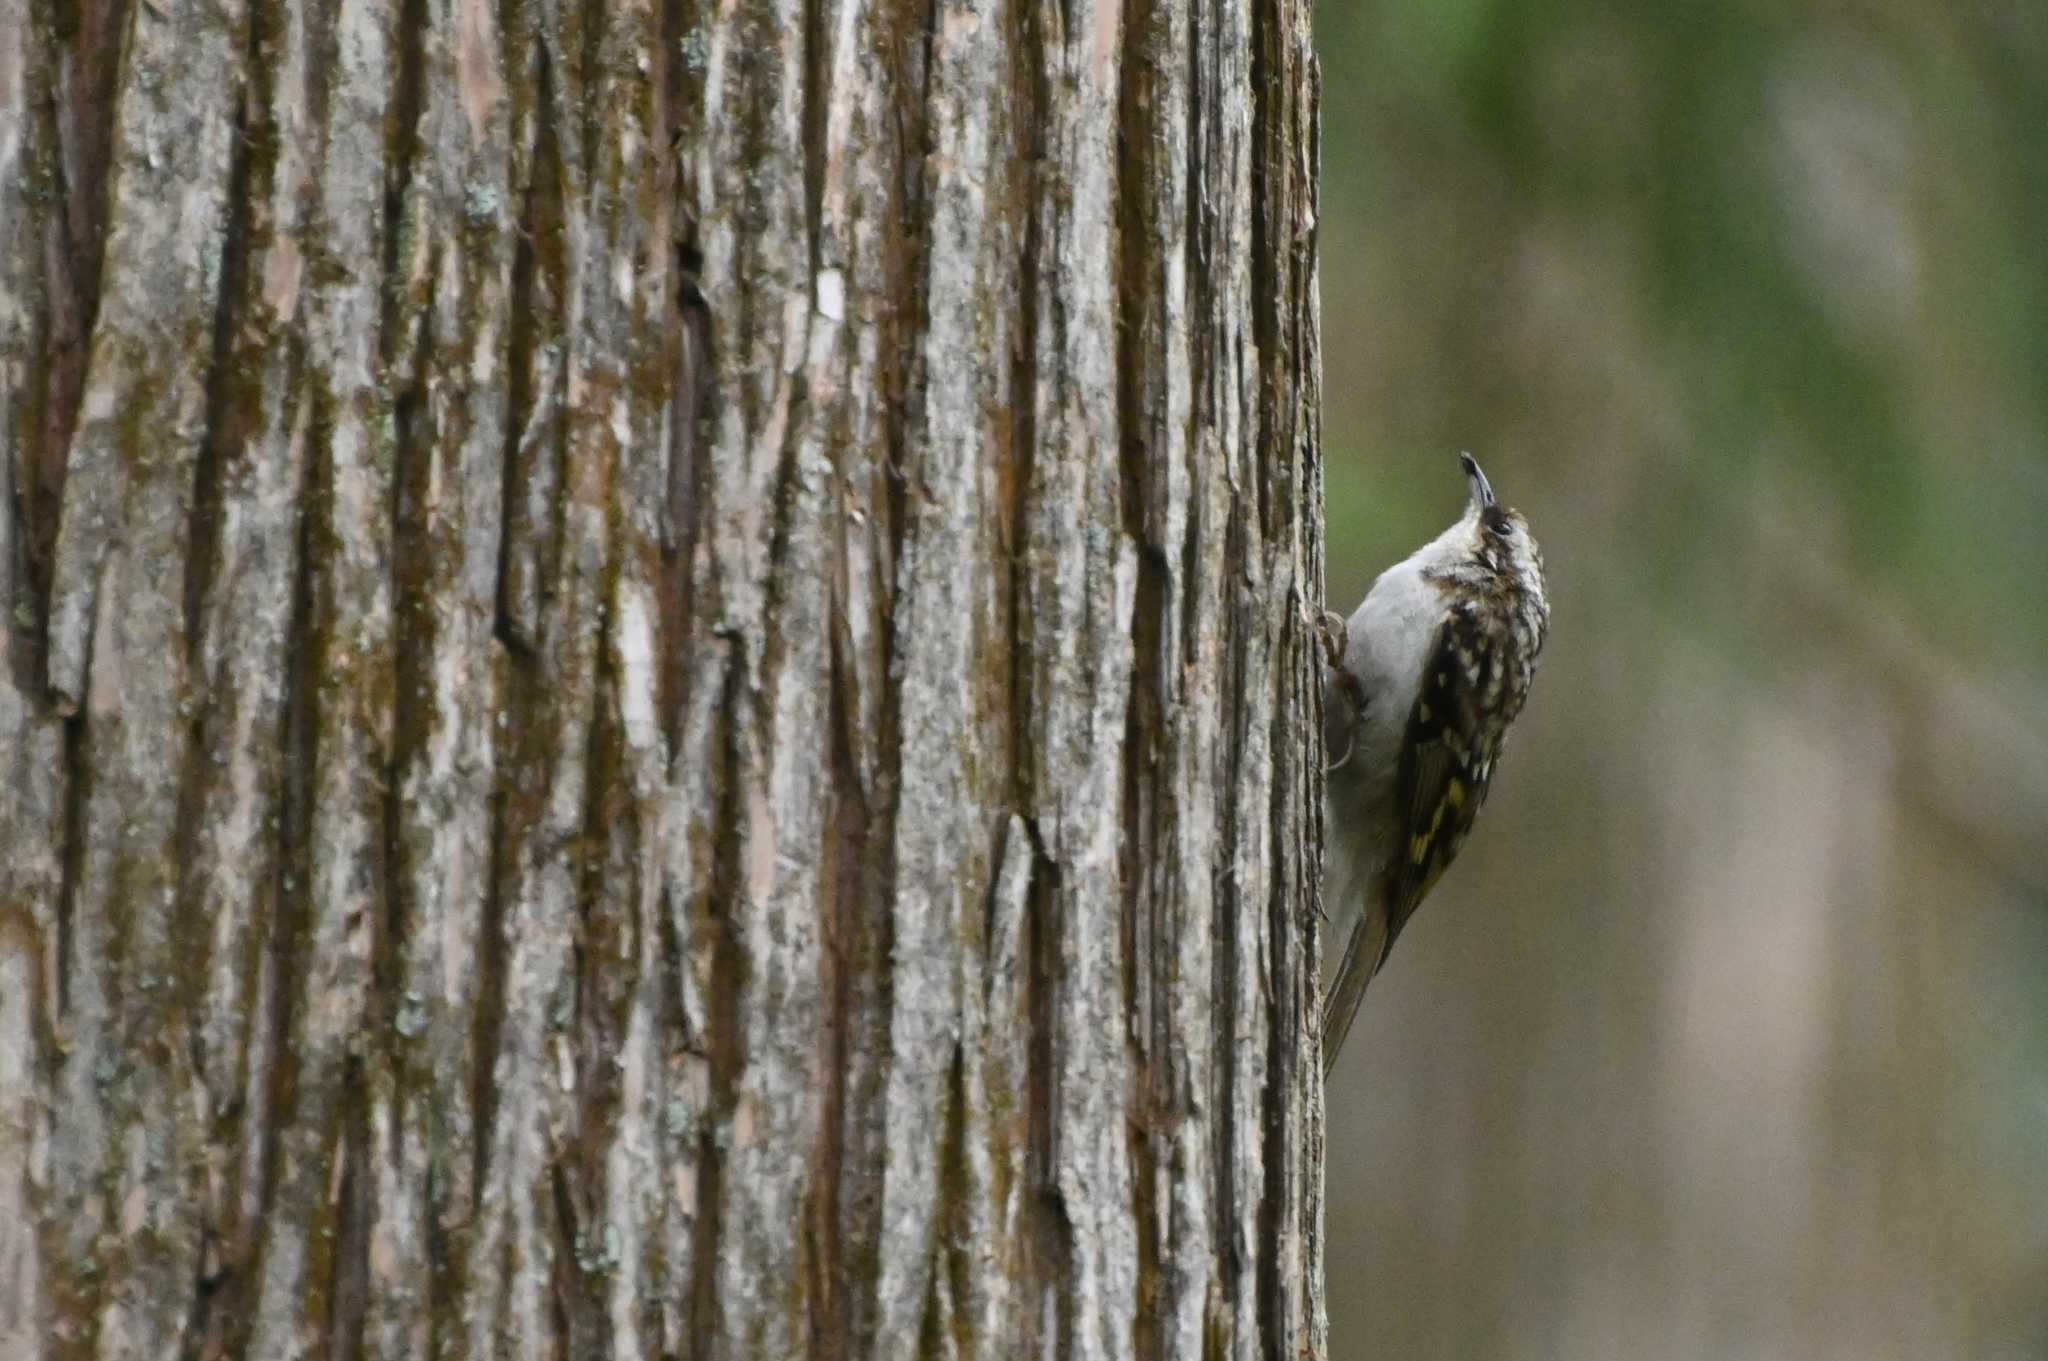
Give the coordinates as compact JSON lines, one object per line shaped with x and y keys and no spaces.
{"x":689,"y":871}
{"x":622,"y":1152}
{"x":985,"y":1238}
{"x":866,"y":249}
{"x":773,"y":1125}
{"x":943,"y":828}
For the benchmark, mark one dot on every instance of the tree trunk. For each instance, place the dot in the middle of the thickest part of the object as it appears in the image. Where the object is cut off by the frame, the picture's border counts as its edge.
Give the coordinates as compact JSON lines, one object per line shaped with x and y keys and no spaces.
{"x":658,"y":682}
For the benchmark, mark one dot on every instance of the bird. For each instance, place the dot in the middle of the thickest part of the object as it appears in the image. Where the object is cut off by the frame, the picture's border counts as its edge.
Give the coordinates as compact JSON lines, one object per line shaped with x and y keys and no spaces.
{"x":1420,"y":685}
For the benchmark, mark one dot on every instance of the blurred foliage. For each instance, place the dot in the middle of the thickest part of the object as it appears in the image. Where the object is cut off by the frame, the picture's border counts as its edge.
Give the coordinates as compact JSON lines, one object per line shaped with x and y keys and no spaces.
{"x":1728,"y":1036}
{"x":1811,"y":237}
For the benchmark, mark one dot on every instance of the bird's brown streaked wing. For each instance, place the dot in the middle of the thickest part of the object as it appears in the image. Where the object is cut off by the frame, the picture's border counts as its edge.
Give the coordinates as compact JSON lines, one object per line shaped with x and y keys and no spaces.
{"x":1446,"y":764}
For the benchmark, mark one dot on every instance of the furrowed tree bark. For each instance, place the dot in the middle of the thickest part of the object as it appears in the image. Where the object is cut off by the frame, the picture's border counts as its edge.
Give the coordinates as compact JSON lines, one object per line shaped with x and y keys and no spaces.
{"x":658,"y":679}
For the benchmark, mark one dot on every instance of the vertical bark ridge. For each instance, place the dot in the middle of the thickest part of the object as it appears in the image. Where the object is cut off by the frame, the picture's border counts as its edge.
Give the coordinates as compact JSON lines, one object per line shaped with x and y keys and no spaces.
{"x":452,"y":290}
{"x":863,"y":294}
{"x":243,"y":616}
{"x":33,"y":789}
{"x":25,"y":193}
{"x":546,"y":1246}
{"x":204,"y":532}
{"x":1178,"y":463}
{"x":625,"y":1104}
{"x":123,"y":1241}
{"x":874,"y":246}
{"x":1228,"y":408}
{"x":533,"y":452}
{"x":1284,"y":172}
{"x":304,"y":1293}
{"x":940,"y":873}
{"x":1027,"y":871}
{"x":699,"y":861}
{"x":769,"y":588}
{"x":31,"y":808}
{"x":990,"y":1257}
{"x":1081,"y":601}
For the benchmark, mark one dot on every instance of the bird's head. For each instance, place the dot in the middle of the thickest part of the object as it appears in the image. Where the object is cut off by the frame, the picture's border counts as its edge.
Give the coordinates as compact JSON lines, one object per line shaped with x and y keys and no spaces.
{"x":1490,"y":548}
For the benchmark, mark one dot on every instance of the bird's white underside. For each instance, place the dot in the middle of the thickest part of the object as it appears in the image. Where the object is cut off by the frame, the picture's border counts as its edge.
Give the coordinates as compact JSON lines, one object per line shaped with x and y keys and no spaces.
{"x":1387,"y":643}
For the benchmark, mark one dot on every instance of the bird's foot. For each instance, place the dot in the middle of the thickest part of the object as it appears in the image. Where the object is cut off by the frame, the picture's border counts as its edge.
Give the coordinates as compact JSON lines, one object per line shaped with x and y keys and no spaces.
{"x":1333,"y":634}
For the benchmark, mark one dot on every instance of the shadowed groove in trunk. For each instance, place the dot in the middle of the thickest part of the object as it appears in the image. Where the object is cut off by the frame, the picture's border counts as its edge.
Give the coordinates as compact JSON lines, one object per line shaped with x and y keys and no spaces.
{"x":671,"y":641}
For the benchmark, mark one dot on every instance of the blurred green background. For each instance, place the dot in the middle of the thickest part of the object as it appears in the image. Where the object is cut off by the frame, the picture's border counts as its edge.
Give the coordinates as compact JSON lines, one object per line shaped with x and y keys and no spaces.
{"x":1746,"y":306}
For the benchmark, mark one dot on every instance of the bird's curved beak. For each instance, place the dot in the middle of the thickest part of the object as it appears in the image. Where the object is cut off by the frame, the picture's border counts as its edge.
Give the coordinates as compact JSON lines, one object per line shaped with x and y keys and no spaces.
{"x":1482,"y":490}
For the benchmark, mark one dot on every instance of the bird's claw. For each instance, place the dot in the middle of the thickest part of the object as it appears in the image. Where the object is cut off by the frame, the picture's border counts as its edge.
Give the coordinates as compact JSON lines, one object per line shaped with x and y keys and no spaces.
{"x":1347,"y":687}
{"x":1334,"y":635}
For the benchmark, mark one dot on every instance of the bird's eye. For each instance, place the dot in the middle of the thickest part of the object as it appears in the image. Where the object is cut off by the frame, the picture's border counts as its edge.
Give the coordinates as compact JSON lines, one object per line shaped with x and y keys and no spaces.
{"x":1500,"y":524}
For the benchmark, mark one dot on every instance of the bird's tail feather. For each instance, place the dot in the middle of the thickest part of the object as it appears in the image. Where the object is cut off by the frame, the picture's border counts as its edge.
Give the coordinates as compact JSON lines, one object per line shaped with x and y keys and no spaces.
{"x":1365,"y":949}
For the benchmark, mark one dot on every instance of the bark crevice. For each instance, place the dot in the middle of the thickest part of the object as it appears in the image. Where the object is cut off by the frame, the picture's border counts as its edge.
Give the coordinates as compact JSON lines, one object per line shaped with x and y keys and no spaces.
{"x":86,"y":57}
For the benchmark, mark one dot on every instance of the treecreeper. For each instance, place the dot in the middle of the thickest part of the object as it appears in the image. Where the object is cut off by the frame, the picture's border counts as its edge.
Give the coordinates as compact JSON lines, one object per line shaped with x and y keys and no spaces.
{"x":1420,"y":686}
